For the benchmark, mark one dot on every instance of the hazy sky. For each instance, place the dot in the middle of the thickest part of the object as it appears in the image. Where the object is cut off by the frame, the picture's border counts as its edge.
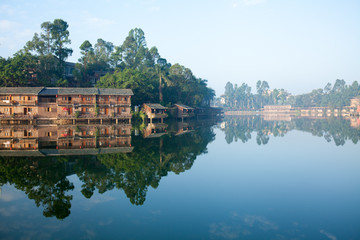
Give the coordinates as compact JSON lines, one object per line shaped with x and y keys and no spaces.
{"x":298,"y":45}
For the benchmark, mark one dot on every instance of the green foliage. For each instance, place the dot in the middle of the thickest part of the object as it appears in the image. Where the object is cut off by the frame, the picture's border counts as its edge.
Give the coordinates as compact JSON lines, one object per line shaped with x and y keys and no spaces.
{"x":138,"y":117}
{"x":337,"y":96}
{"x":18,"y":71}
{"x":144,"y":88}
{"x":239,"y":98}
{"x":77,"y":114}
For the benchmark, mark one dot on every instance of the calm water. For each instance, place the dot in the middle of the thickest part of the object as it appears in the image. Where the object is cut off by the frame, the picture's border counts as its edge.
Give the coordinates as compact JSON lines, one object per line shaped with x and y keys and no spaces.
{"x":243,"y":178}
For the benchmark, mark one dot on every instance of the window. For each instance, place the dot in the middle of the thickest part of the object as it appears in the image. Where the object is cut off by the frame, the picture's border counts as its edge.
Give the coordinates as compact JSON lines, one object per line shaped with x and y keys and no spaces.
{"x":48,"y":109}
{"x":29,"y":109}
{"x":49,"y":134}
{"x":123,"y":109}
{"x":28,"y":98}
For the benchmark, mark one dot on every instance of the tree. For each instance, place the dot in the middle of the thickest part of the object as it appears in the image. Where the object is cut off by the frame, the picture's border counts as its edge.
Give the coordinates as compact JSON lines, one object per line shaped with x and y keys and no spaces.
{"x":60,"y":38}
{"x":18,"y":71}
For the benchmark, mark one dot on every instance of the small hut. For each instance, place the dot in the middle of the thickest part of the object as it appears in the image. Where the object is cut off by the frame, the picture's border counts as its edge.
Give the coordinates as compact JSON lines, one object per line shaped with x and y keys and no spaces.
{"x":184,"y":111}
{"x":154,"y":111}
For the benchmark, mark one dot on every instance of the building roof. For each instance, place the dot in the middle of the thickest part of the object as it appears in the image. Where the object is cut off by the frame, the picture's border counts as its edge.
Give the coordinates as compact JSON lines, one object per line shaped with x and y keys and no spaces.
{"x":95,"y":91}
{"x":49,"y":91}
{"x":115,"y":91}
{"x":20,"y":90}
{"x":154,"y":105}
{"x":85,"y":91}
{"x":46,"y":91}
{"x":183,"y":106}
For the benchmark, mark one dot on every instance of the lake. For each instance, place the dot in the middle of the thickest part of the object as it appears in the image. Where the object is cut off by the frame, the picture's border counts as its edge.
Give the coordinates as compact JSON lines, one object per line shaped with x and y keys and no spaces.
{"x":237,"y":178}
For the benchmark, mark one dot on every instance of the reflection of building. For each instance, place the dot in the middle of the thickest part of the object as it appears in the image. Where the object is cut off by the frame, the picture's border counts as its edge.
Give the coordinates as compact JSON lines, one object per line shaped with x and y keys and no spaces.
{"x":154,"y":111}
{"x":355,"y":122}
{"x":277,"y":117}
{"x":55,"y":140}
{"x":154,"y":130}
{"x":277,"y":108}
{"x":29,"y":103}
{"x":183,"y":127}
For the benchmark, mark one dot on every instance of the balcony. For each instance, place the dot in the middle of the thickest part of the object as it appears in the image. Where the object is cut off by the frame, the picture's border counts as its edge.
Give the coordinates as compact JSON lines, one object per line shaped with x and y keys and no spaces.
{"x":60,"y":102}
{"x":19,"y":116}
{"x":15,"y":102}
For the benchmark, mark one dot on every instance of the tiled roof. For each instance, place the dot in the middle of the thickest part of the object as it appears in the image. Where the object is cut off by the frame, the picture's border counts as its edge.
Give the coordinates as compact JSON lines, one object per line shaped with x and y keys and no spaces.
{"x":114,"y":91}
{"x":155,"y":106}
{"x":20,"y":90}
{"x":95,"y":91}
{"x":49,"y":91}
{"x":66,"y":91}
{"x":184,"y":106}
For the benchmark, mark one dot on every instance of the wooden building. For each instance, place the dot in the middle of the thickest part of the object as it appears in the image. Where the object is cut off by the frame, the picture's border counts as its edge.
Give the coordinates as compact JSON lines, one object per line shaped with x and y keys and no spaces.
{"x":154,"y":111}
{"x":183,"y":111}
{"x":355,"y":102}
{"x":65,"y":104}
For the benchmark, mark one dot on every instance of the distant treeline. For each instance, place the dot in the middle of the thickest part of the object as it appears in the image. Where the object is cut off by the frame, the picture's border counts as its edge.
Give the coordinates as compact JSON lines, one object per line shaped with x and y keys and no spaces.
{"x":130,"y":65}
{"x":241,"y":97}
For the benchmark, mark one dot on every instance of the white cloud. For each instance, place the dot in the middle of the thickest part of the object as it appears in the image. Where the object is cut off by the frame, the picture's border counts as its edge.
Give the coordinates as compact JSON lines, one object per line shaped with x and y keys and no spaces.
{"x":8,"y":195}
{"x":6,"y":25}
{"x":10,"y":211}
{"x":6,"y":9}
{"x":327,"y":234}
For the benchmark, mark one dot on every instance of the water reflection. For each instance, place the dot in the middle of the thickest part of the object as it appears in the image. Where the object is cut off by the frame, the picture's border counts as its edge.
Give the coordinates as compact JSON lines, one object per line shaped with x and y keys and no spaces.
{"x":38,"y":159}
{"x":101,"y":156}
{"x":337,"y":130}
{"x":26,"y":140}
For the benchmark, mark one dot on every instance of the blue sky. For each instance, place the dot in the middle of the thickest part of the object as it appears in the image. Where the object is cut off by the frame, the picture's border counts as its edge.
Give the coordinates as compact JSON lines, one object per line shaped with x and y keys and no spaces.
{"x":298,"y":45}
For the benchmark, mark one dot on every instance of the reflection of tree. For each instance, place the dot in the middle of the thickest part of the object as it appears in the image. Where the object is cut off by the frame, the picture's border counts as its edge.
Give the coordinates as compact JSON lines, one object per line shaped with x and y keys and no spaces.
{"x":151,"y":159}
{"x":336,"y":129}
{"x":42,"y":179}
{"x":241,"y":129}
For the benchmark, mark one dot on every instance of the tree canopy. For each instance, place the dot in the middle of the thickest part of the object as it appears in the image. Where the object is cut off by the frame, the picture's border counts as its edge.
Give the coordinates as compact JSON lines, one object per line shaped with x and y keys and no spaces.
{"x":129,"y":65}
{"x":241,"y":98}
